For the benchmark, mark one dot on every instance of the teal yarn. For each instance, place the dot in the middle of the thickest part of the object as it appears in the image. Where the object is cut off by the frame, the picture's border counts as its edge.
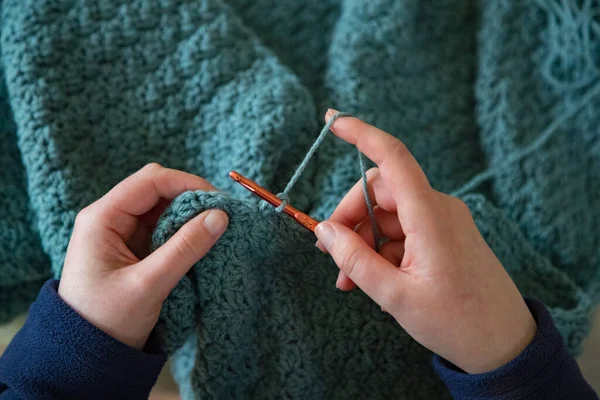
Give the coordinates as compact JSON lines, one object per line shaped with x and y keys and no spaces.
{"x":370,"y":209}
{"x":497,"y":100}
{"x":284,"y":196}
{"x":535,"y":145}
{"x":309,"y":155}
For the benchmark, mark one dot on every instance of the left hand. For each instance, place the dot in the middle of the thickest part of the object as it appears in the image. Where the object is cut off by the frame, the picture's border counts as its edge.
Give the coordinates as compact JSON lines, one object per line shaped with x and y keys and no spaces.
{"x":109,"y":277}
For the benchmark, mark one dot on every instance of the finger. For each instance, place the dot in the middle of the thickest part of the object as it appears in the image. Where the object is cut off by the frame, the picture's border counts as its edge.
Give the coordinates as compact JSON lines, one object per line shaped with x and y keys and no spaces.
{"x":401,"y":173}
{"x":139,"y":241}
{"x":170,"y":262}
{"x":389,"y":227}
{"x":352,"y":209}
{"x":371,"y":272}
{"x":140,"y":192}
{"x":388,"y":223}
{"x":393,"y":251}
{"x":151,"y":217}
{"x":364,"y":230}
{"x":344,"y":283}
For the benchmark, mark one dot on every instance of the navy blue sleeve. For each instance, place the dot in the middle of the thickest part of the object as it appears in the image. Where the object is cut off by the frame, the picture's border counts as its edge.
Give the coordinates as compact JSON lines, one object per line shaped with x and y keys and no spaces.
{"x":59,"y":355}
{"x":544,"y":370}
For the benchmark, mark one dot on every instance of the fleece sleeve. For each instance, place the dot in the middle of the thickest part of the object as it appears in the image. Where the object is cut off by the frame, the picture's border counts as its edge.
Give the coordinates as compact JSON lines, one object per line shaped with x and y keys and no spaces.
{"x":544,"y":370}
{"x":58,"y":355}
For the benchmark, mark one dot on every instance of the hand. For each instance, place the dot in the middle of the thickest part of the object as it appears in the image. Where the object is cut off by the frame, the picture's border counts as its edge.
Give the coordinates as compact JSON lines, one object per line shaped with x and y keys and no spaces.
{"x":436,"y":275}
{"x":108,"y":276}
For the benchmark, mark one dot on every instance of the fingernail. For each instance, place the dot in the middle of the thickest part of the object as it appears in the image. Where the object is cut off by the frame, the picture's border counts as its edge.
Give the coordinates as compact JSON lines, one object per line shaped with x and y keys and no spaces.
{"x":325,"y":234}
{"x":330,"y":113}
{"x":337,"y":282}
{"x":216,"y":222}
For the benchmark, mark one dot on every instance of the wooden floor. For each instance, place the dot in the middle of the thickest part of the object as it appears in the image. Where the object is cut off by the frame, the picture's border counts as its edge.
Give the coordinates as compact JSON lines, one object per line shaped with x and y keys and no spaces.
{"x":166,"y":389}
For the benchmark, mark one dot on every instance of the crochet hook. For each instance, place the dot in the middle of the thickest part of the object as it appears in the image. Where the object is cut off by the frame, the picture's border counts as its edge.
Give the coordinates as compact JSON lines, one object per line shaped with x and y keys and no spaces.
{"x":270,"y":198}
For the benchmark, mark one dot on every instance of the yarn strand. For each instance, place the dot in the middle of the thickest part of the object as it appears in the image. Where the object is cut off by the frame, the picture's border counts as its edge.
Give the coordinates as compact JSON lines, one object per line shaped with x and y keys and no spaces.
{"x":546,"y":134}
{"x":284,"y":196}
{"x":370,"y":208}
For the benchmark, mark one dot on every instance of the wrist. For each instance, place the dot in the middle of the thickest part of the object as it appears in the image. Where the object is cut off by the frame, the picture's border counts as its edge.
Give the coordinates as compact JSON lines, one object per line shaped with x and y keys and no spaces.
{"x":121,"y":326}
{"x":544,"y":369}
{"x":504,"y":348}
{"x":57,"y":342}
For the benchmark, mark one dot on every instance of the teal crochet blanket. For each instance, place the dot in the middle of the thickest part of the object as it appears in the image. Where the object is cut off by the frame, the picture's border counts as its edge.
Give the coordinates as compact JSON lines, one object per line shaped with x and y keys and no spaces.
{"x":498,"y":101}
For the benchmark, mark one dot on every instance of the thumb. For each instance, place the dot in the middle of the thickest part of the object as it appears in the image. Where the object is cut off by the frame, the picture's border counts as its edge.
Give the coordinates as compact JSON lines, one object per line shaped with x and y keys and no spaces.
{"x":370,"y":271}
{"x":170,"y":262}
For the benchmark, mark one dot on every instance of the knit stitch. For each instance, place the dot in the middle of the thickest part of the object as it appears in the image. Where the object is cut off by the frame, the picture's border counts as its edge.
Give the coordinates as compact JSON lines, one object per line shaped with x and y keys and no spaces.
{"x":497,"y":100}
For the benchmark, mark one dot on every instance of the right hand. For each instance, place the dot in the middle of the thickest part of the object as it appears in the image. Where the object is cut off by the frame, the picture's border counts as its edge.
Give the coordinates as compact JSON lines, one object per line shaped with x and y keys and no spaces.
{"x":436,"y":275}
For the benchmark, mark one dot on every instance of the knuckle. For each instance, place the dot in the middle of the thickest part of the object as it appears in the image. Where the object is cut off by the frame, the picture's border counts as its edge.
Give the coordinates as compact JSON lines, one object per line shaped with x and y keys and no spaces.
{"x":460,"y":206}
{"x":152,"y":167}
{"x":84,"y":217}
{"x":351,"y":259}
{"x":399,"y":149}
{"x":185,"y":246}
{"x":372,"y":172}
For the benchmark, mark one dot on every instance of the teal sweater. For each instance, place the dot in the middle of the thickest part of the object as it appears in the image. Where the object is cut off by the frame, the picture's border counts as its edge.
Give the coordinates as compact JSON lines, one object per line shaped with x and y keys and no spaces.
{"x":498,"y":100}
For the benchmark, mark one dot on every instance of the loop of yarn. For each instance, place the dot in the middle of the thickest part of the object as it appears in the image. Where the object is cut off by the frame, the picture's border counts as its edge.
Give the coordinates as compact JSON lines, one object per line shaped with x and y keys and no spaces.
{"x":285,"y":199}
{"x":284,"y":196}
{"x":572,"y":42}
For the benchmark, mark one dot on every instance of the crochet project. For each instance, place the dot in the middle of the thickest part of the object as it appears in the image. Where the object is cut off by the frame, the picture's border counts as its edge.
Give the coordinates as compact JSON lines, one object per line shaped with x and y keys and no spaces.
{"x":497,"y":100}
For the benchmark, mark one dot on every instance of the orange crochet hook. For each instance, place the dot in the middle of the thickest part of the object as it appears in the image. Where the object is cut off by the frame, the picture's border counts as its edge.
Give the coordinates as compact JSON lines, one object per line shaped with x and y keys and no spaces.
{"x":270,"y":198}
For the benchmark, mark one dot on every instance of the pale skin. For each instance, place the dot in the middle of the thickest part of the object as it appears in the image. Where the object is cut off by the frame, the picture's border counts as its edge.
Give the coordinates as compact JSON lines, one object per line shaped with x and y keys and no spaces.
{"x":108,"y":276}
{"x":436,"y":276}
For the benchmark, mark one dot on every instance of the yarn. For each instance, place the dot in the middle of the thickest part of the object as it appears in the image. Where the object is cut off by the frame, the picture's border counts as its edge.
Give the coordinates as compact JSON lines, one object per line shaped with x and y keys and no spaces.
{"x":570,"y":63}
{"x":536,"y":145}
{"x":370,"y":209}
{"x":284,"y":196}
{"x":479,"y":91}
{"x":306,"y":159}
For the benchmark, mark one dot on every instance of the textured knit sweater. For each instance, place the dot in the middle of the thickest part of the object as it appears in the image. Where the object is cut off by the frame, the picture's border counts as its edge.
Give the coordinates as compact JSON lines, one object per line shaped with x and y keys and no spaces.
{"x":498,"y":101}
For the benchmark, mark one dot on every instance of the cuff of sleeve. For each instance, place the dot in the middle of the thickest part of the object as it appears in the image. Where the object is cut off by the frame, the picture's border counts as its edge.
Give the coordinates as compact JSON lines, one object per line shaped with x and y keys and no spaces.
{"x":69,"y":352}
{"x":544,"y":367}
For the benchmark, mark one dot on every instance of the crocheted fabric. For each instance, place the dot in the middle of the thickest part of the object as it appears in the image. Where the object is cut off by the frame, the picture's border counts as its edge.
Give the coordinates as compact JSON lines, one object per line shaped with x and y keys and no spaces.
{"x":498,"y":101}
